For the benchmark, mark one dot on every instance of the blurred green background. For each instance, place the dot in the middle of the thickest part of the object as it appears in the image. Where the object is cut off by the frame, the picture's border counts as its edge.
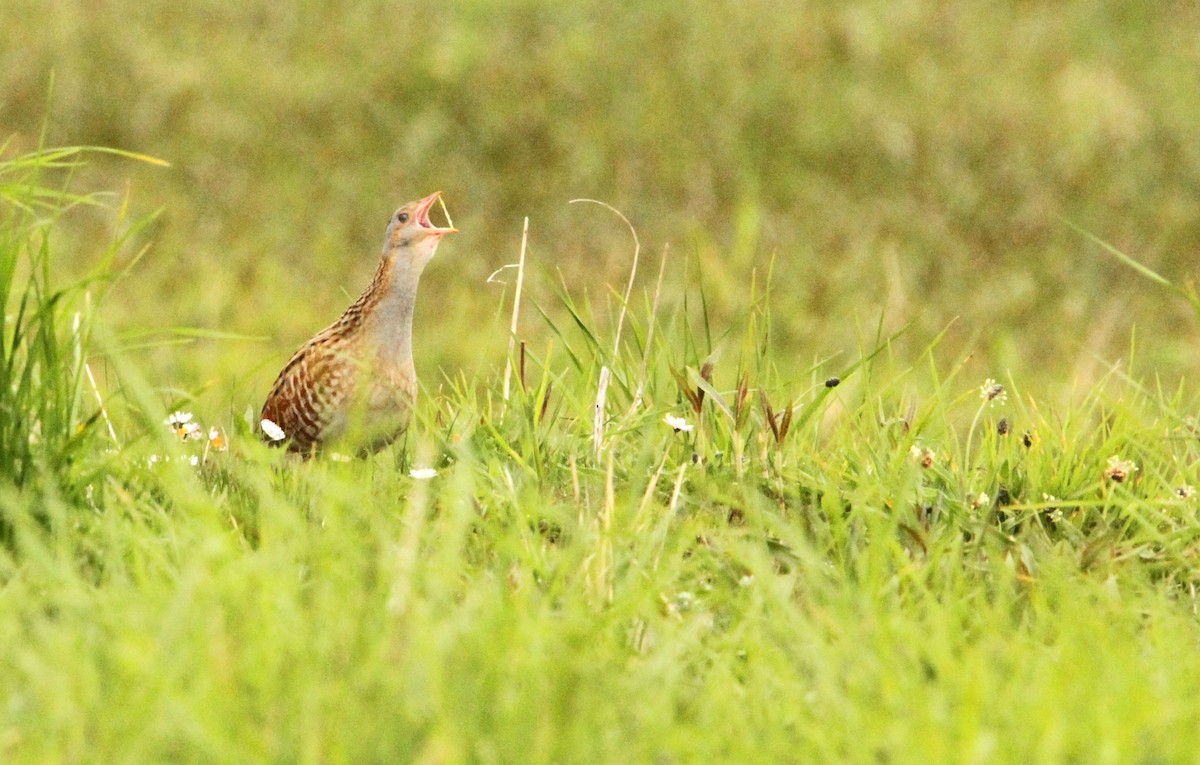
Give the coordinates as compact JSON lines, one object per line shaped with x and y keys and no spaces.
{"x":904,"y":160}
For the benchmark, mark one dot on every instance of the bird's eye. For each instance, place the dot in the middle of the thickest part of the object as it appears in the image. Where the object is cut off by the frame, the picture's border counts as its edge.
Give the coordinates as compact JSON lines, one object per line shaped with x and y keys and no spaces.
{"x":402,"y":217}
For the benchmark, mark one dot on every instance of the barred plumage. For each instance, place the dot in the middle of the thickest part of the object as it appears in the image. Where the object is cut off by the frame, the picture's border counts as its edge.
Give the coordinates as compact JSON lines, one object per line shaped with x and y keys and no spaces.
{"x":355,"y":379}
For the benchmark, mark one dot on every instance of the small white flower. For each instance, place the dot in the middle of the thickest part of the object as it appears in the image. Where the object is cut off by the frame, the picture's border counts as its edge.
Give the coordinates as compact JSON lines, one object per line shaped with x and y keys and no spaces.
{"x":422,"y":474}
{"x":216,"y":440}
{"x":183,"y":425}
{"x":992,"y":392}
{"x":678,"y":423}
{"x":746,"y":580}
{"x":339,"y":457}
{"x":175,"y":419}
{"x":272,"y":431}
{"x":924,"y":456}
{"x":981,"y":500}
{"x":1119,"y":470}
{"x":1185,"y":492}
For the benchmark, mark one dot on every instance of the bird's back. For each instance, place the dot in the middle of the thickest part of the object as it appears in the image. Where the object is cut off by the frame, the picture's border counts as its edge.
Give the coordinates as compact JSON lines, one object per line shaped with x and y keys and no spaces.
{"x":311,"y":395}
{"x":335,"y":386}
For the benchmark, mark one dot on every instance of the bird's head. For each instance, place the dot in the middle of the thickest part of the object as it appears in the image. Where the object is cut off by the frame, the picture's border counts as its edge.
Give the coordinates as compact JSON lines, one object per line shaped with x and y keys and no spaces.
{"x":410,"y":232}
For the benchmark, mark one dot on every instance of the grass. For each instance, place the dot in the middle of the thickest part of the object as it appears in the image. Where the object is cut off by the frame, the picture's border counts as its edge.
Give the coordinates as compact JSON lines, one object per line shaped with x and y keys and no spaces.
{"x":913,"y":159}
{"x":874,"y":571}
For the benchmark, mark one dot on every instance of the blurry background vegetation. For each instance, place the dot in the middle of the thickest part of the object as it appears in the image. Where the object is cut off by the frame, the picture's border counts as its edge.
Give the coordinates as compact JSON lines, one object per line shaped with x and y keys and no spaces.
{"x":899,"y":159}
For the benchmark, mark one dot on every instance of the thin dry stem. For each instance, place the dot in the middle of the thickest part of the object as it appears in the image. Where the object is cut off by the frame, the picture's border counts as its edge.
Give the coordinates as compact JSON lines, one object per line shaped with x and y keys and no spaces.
{"x":100,"y":401}
{"x":606,"y":520}
{"x":670,"y":511}
{"x":512,"y":332}
{"x":598,"y":422}
{"x":598,"y":565}
{"x":637,"y":249}
{"x":648,"y":495}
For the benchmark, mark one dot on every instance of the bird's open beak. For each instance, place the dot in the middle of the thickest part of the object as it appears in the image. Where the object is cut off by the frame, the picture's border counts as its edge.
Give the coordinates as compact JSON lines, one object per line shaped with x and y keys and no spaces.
{"x":423,"y":208}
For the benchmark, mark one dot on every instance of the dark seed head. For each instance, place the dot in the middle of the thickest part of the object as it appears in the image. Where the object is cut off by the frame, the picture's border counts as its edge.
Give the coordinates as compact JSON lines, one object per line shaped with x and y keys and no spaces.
{"x":1002,"y":426}
{"x":833,"y":382}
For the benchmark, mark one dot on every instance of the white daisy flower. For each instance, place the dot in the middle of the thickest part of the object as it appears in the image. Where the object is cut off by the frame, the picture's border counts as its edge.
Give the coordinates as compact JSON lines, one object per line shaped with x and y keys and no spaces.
{"x":272,"y":431}
{"x":183,"y":425}
{"x":678,"y":423}
{"x":175,"y":419}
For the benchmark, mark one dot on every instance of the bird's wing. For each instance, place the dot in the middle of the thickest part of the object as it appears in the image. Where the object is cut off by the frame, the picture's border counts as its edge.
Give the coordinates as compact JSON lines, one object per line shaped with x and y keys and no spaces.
{"x":310,"y":396}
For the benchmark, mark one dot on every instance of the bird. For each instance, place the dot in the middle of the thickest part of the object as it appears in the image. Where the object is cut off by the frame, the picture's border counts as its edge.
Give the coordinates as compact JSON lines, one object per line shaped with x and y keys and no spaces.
{"x":355,"y":381}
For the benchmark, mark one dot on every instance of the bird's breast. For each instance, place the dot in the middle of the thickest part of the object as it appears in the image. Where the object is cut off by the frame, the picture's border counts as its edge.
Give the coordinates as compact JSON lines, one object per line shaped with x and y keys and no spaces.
{"x":392,"y":386}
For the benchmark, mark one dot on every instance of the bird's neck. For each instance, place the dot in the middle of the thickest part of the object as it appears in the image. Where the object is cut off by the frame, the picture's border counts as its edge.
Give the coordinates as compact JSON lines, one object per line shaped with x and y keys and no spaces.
{"x":389,"y":304}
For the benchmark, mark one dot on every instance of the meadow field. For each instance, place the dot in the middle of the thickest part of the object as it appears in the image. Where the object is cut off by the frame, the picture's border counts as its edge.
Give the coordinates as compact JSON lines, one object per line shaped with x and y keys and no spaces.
{"x":850,"y":414}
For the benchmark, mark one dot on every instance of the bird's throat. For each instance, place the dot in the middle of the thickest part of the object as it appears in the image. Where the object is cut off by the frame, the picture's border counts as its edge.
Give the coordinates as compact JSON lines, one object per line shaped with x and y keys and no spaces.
{"x":392,"y":328}
{"x":392,"y":319}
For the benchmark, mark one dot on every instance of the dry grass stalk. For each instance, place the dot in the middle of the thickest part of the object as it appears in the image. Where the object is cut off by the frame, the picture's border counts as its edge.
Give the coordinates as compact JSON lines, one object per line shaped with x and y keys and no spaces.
{"x":512,"y":330}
